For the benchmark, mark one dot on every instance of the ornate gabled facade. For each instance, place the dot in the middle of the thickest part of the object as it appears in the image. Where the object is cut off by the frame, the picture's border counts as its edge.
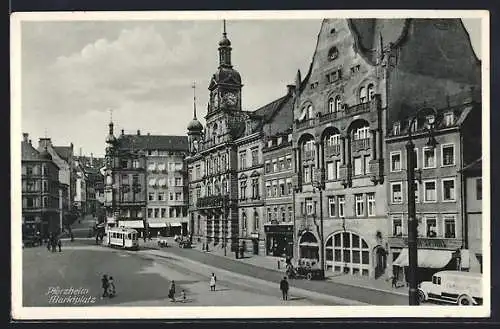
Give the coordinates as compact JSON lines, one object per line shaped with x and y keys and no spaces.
{"x":365,"y":75}
{"x":226,"y":164}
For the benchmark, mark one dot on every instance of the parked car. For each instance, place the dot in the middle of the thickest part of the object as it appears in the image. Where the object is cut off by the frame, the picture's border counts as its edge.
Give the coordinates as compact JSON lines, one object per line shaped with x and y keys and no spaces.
{"x":462,"y":288}
{"x":305,"y":268}
{"x":162,"y":243}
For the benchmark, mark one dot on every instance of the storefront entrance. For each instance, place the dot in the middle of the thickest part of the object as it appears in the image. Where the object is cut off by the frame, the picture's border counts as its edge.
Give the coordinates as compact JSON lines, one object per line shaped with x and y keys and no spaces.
{"x":279,"y":240}
{"x":308,"y":246}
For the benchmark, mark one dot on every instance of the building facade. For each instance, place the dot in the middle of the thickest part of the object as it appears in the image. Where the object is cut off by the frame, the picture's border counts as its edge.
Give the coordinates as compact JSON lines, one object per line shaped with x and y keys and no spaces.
{"x":366,"y":74}
{"x":145,"y":182}
{"x":166,"y":185}
{"x":473,"y":181}
{"x":439,"y":187}
{"x":40,"y":191}
{"x":225,"y":165}
{"x":278,"y":195}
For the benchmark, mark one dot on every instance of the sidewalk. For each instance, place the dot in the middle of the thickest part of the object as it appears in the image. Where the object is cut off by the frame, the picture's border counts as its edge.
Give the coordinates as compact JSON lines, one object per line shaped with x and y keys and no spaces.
{"x":271,"y":263}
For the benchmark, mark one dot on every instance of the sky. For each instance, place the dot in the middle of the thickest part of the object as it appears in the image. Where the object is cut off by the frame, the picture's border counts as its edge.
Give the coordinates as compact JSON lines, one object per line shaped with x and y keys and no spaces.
{"x":74,"y":72}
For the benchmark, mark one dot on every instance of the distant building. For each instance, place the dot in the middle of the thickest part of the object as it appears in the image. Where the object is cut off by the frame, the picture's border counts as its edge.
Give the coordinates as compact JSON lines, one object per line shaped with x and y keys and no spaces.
{"x":40,"y":191}
{"x":144,"y":183}
{"x":63,"y":158}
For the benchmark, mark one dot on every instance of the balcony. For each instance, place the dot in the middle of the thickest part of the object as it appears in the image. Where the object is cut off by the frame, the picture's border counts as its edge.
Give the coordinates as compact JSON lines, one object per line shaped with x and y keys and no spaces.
{"x":330,"y":116}
{"x":360,"y":144}
{"x":360,"y":108}
{"x":308,"y":123}
{"x":215,"y":201}
{"x":332,"y":150}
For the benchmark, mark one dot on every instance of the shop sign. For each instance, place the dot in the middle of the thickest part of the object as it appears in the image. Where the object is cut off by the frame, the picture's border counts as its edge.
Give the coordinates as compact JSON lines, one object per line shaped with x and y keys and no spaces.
{"x":278,"y":228}
{"x":430,"y":243}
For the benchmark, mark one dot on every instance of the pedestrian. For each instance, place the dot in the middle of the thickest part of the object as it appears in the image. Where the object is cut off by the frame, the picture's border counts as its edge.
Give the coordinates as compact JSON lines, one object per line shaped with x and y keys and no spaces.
{"x":171,"y":291}
{"x":59,"y":244}
{"x":111,"y":287}
{"x":284,"y":288}
{"x":105,"y":286}
{"x":183,"y":295}
{"x":53,"y":244}
{"x":394,"y":280}
{"x":48,"y":244}
{"x":213,"y":281}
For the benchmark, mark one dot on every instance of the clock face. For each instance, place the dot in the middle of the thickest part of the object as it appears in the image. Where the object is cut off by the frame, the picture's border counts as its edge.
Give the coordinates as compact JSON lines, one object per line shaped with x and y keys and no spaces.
{"x":230,"y":98}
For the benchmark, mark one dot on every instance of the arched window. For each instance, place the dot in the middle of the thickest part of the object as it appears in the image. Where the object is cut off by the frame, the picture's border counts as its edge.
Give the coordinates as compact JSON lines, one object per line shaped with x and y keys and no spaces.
{"x":331,"y":105}
{"x":362,"y":95}
{"x":371,"y":91}
{"x":348,"y":253}
{"x":337,"y":103}
{"x":309,"y":112}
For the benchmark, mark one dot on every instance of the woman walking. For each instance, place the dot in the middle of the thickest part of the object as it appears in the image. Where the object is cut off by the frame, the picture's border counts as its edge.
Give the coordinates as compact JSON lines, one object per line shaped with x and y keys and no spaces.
{"x":213,"y":280}
{"x":111,"y":289}
{"x":171,"y":291}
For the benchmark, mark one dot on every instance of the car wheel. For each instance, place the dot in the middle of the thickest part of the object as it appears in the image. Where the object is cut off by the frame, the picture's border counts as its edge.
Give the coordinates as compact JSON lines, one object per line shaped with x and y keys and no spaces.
{"x":464,"y":300}
{"x":309,"y":276}
{"x":421,"y":296}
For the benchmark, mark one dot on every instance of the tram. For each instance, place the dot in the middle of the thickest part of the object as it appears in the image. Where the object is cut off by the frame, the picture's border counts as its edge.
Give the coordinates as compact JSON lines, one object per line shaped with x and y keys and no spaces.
{"x":125,"y":238}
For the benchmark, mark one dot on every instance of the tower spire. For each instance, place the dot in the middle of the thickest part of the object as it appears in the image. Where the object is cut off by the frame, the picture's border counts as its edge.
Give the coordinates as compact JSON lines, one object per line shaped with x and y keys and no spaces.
{"x":194,"y":100}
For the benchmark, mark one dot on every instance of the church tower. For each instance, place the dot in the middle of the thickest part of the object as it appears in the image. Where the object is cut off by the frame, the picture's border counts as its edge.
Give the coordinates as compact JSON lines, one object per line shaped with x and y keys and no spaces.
{"x":195,"y":128}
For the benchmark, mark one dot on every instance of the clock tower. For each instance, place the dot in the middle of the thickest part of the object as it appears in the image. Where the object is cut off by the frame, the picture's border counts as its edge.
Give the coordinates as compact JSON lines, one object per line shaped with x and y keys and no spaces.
{"x":225,"y":85}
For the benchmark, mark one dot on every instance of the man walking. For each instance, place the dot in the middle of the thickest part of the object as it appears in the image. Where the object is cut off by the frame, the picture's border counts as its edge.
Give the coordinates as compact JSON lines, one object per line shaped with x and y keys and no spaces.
{"x":105,"y":286}
{"x":284,"y":288}
{"x":59,"y":244}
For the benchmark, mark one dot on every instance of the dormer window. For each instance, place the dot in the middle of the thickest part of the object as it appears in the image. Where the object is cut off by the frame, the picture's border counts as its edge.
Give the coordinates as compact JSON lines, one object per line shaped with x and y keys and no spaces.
{"x":362,"y":95}
{"x":333,"y":53}
{"x":396,"y":128}
{"x":355,"y":69}
{"x":270,"y":143}
{"x":448,"y":119}
{"x":314,"y":85}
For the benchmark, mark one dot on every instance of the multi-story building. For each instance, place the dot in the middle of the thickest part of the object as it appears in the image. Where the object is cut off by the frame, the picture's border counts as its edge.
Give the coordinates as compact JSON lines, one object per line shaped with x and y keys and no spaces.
{"x":439,"y":186}
{"x":145,"y":182}
{"x":278,"y":195}
{"x":63,"y":158}
{"x":225,"y":163}
{"x":125,"y":187}
{"x":166,"y":184}
{"x":80,"y":198}
{"x":365,"y":75}
{"x":40,"y":191}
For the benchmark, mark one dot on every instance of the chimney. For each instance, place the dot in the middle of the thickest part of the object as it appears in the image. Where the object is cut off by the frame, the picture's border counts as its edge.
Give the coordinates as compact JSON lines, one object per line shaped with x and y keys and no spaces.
{"x":149,"y":134}
{"x":290,"y":89}
{"x":25,"y":137}
{"x":29,"y":141}
{"x":138,"y":132}
{"x":123,"y":132}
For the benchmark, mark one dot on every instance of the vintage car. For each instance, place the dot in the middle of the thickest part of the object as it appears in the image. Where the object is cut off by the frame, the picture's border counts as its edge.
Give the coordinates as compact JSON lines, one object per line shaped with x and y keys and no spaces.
{"x":184,"y":244}
{"x":162,"y":243}
{"x":461,"y":288}
{"x":305,"y":268}
{"x":32,"y":241}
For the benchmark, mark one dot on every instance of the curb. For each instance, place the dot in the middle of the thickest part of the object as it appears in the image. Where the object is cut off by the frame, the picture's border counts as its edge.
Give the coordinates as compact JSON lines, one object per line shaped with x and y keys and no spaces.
{"x":346,"y":284}
{"x":299,"y":291}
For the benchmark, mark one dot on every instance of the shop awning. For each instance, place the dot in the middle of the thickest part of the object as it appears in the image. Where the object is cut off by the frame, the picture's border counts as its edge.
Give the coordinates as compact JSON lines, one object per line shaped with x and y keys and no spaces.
{"x":131,"y":223}
{"x":469,"y":260}
{"x":157,"y":225}
{"x":175,"y":224}
{"x":427,"y":258}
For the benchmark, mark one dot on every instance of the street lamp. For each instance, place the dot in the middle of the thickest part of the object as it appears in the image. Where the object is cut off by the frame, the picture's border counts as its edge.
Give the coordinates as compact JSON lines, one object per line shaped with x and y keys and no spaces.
{"x":412,"y":220}
{"x":318,"y":184}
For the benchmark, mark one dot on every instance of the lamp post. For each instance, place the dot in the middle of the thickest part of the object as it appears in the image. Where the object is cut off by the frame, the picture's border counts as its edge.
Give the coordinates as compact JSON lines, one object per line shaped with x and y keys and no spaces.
{"x":318,"y":184}
{"x":412,"y":220}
